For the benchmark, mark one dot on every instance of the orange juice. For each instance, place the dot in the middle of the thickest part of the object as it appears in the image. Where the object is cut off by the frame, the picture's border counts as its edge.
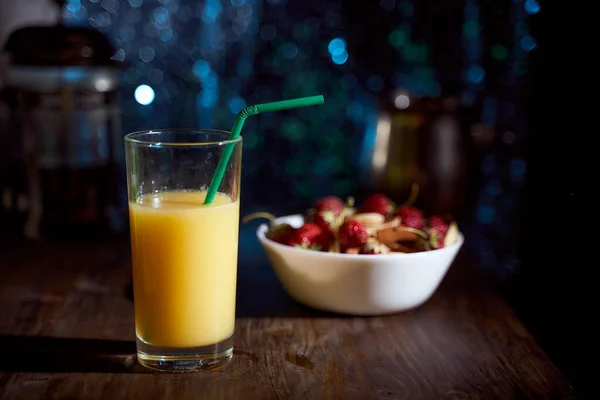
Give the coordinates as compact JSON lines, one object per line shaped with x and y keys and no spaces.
{"x":184,"y":258}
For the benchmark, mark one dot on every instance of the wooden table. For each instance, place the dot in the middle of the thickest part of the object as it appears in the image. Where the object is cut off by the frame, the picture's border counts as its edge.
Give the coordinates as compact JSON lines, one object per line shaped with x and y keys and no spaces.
{"x":67,"y":332}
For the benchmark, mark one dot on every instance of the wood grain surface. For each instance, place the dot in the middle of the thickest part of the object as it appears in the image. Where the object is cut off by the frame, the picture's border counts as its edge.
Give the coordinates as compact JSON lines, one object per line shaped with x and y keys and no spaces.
{"x":67,"y":332}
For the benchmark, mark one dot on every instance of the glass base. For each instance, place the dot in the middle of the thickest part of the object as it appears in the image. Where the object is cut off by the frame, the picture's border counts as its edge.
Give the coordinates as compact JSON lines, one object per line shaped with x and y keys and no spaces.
{"x":182,"y":360}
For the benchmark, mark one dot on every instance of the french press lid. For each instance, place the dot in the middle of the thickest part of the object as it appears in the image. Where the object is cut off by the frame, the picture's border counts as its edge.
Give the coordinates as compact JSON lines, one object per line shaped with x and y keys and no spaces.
{"x":46,"y":59}
{"x":59,"y":46}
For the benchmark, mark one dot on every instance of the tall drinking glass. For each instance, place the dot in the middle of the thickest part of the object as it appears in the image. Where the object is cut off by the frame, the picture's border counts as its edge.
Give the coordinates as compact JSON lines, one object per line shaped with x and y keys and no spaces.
{"x":184,"y":253}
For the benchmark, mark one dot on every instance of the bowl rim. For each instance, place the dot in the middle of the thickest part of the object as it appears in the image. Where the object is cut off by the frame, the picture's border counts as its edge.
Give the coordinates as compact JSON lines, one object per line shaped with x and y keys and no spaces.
{"x":262,"y":229}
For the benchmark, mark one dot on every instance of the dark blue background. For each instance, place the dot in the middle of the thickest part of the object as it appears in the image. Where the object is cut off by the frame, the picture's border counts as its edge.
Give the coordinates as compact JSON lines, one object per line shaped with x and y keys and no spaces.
{"x":205,"y":60}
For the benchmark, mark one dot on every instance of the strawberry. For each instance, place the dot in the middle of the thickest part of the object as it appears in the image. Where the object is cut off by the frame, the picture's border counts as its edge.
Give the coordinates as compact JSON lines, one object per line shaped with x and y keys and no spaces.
{"x":438,"y":223}
{"x":378,"y":203}
{"x":352,"y":234}
{"x":328,"y":221}
{"x":309,"y":236}
{"x":437,"y":228}
{"x":322,"y":243}
{"x":411,"y":217}
{"x":329,"y":203}
{"x":280,"y":233}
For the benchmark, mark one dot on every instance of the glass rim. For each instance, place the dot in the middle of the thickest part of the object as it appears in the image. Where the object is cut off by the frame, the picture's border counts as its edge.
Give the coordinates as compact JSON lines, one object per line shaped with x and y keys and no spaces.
{"x":132,"y":138}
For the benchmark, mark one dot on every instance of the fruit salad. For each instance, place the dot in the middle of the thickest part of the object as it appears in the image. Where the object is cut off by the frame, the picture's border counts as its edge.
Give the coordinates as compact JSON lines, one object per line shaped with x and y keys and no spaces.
{"x":378,"y":226}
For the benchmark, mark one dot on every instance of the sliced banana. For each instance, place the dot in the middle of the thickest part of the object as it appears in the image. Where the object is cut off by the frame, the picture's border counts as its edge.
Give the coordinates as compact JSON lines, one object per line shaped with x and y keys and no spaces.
{"x":376,"y":245}
{"x":391,"y":223}
{"x":347,"y":211}
{"x":369,"y":220}
{"x":372,"y":232}
{"x":451,"y":235}
{"x":384,"y":249}
{"x":353,"y":250}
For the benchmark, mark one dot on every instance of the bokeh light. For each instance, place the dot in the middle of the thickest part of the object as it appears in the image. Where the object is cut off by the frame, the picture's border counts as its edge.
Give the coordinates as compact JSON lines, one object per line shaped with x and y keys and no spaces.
{"x":528,"y":43}
{"x":532,"y":7}
{"x":144,"y":95}
{"x":402,"y":101}
{"x":397,"y":38}
{"x":475,"y":74}
{"x":135,"y":3}
{"x":289,"y":50}
{"x":486,"y":214}
{"x":336,"y":46}
{"x":339,"y":57}
{"x":499,"y":52}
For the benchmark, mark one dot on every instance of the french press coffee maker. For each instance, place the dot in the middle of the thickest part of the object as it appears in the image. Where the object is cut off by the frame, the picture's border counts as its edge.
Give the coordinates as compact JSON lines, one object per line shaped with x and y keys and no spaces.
{"x":60,"y":147}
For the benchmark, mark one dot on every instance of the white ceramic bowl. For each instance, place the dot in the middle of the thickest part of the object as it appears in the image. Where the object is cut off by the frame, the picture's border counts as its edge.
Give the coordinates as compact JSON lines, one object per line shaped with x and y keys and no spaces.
{"x":357,"y":284}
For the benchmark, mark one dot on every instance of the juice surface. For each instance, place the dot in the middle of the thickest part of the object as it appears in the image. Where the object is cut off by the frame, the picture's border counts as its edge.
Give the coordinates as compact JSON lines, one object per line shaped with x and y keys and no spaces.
{"x":184,"y":257}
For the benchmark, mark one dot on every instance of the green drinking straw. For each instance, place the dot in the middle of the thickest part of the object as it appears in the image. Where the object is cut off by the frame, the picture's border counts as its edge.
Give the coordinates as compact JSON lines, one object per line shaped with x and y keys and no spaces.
{"x":237,"y":129}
